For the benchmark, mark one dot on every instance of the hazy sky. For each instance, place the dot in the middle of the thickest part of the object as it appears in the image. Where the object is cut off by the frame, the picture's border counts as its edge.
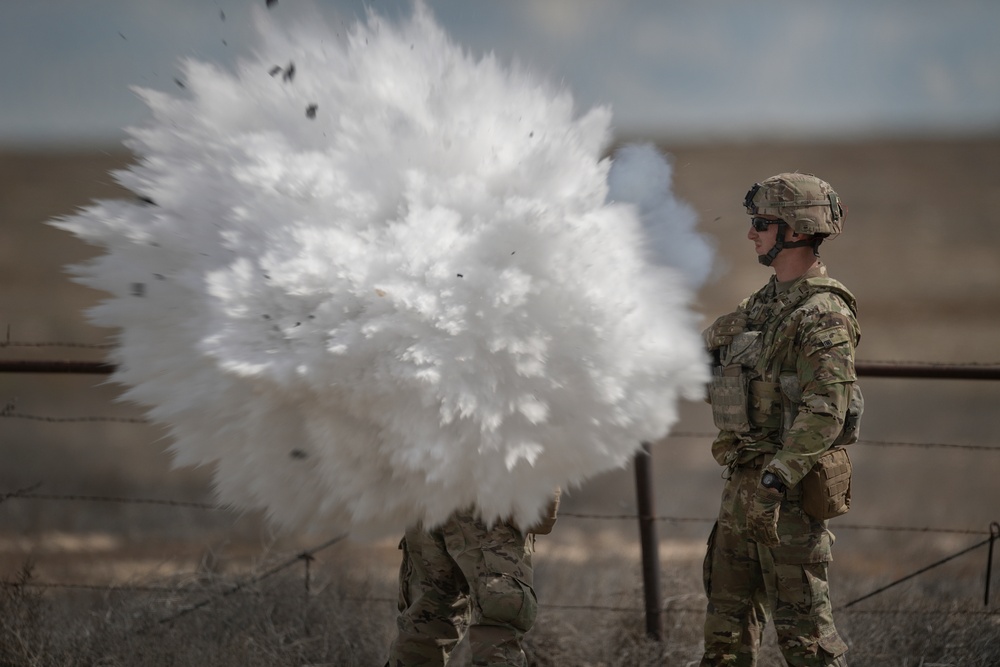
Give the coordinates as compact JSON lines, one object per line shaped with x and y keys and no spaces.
{"x":683,"y":69}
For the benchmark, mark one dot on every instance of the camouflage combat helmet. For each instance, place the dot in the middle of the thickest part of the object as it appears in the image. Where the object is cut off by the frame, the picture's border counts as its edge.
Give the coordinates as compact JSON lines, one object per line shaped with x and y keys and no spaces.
{"x":803,"y":202}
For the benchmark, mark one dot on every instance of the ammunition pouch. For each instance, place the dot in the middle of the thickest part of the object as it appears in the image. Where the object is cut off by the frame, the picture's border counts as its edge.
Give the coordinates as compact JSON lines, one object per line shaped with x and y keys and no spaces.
{"x":826,"y":489}
{"x":729,"y":389}
{"x":728,"y":394}
{"x":765,"y":404}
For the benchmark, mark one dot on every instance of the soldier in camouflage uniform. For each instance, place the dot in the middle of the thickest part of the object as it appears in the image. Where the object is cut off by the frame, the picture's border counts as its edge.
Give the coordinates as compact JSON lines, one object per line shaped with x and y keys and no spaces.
{"x":782,"y":383}
{"x":466,"y":576}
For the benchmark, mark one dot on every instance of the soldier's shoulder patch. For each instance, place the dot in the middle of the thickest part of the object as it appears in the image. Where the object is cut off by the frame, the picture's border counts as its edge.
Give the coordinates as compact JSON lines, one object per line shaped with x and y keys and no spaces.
{"x":827,"y":338}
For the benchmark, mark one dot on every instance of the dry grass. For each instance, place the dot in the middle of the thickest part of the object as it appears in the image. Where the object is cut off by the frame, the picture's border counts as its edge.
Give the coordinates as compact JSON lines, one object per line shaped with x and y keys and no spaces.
{"x":346,"y":618}
{"x":270,"y":623}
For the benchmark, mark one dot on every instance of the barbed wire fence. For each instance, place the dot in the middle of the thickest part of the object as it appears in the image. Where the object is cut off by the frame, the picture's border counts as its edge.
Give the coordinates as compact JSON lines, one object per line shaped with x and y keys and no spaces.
{"x":305,"y":557}
{"x":655,"y":605}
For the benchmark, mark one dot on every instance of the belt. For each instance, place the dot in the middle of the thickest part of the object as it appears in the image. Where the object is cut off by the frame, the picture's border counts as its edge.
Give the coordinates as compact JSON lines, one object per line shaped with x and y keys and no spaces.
{"x":755,"y":462}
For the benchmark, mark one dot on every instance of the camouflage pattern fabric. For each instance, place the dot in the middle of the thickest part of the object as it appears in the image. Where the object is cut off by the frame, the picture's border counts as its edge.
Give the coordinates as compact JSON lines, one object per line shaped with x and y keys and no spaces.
{"x":464,"y":577}
{"x":815,"y":342}
{"x":807,"y":334}
{"x":747,"y":583}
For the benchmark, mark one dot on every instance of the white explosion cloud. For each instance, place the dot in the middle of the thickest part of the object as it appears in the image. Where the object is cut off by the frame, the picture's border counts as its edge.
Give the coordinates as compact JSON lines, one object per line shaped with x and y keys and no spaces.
{"x":373,"y":279}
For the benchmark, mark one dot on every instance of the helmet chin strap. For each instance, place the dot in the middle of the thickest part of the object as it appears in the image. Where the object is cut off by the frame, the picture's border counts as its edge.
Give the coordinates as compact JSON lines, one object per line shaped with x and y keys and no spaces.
{"x":780,"y":244}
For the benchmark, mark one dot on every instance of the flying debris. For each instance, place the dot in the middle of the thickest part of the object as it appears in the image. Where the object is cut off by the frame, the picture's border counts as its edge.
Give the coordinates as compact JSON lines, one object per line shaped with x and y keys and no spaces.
{"x":311,"y":307}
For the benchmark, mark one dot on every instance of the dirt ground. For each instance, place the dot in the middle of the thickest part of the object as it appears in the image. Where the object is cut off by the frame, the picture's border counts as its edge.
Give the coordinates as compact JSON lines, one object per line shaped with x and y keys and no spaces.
{"x":920,"y":251}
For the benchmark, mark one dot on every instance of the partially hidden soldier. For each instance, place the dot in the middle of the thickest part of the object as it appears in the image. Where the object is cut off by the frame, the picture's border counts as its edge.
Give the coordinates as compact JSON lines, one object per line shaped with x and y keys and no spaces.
{"x":467,"y":576}
{"x":785,"y":399}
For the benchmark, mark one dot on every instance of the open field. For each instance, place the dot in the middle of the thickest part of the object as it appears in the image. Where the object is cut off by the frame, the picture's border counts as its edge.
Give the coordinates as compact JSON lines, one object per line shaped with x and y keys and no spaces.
{"x":920,"y":252}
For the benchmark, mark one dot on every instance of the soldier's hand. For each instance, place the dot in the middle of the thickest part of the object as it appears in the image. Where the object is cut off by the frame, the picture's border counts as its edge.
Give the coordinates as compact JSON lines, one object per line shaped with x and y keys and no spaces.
{"x":545,"y":525}
{"x":762,"y":516}
{"x":723,"y":329}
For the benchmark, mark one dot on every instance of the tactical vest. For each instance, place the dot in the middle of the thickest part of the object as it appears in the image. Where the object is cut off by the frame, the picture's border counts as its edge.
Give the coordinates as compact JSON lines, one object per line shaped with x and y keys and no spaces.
{"x":753,"y":394}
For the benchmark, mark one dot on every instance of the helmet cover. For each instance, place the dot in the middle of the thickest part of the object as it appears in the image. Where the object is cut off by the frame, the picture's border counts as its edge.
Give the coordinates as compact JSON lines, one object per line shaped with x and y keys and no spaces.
{"x":807,"y":204}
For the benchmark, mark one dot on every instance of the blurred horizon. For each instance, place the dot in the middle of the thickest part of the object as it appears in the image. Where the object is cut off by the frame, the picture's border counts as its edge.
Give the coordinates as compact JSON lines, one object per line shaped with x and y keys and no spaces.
{"x":682,"y":72}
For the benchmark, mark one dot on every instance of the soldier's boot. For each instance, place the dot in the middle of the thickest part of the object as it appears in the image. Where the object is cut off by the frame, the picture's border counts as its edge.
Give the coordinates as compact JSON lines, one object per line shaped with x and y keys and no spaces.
{"x":495,"y":646}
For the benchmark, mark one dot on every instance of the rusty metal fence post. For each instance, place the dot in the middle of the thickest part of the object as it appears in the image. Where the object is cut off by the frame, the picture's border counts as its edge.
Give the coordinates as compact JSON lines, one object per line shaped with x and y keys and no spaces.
{"x":648,"y":541}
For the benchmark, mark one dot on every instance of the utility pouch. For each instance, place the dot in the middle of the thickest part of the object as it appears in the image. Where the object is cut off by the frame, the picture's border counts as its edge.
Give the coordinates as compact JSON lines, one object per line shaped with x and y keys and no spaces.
{"x":728,"y":391}
{"x":765,"y":404}
{"x":826,"y":489}
{"x":744,"y":350}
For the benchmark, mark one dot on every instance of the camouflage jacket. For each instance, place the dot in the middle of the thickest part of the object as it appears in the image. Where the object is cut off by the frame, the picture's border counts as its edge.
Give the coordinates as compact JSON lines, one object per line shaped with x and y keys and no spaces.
{"x":808,"y":333}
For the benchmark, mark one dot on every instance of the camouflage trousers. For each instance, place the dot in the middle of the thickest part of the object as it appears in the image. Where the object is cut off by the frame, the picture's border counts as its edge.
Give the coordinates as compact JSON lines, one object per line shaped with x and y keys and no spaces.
{"x":464,"y":577}
{"x":747,"y":584}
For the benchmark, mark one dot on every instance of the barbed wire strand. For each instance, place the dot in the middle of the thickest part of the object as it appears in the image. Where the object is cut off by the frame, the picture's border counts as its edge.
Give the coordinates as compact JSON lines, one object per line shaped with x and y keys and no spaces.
{"x":20,"y":493}
{"x":543,"y":606}
{"x":846,"y":526}
{"x":862,"y":441}
{"x":239,"y":586}
{"x":106,"y":588}
{"x":28,"y":493}
{"x":920,"y":571}
{"x":70,"y":420}
{"x":931,"y":364}
{"x":701,"y":610}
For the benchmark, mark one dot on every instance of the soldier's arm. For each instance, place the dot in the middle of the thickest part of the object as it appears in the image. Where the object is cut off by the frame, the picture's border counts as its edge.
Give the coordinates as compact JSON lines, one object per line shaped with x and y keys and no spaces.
{"x":825,"y":369}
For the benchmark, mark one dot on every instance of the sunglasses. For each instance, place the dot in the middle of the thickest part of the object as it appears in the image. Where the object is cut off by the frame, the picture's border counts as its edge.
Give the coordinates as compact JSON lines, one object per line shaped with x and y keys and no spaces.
{"x":760,"y":224}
